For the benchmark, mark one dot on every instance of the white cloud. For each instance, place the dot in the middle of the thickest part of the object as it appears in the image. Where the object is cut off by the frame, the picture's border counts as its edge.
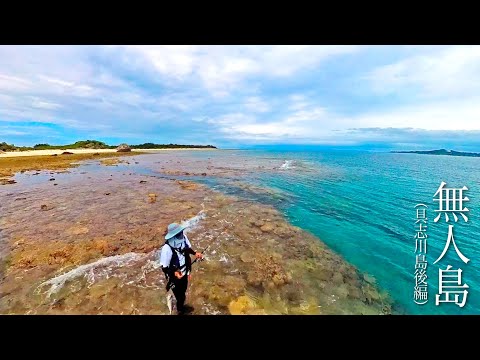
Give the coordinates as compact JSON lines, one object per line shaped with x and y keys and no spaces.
{"x":444,"y":71}
{"x":442,"y":115}
{"x":222,"y":69}
{"x":286,"y":60}
{"x":12,"y":83}
{"x":312,"y":123}
{"x":12,"y":132}
{"x":255,"y":93}
{"x":302,"y":123}
{"x":257,"y":104}
{"x":228,"y":120}
{"x":40,"y":104}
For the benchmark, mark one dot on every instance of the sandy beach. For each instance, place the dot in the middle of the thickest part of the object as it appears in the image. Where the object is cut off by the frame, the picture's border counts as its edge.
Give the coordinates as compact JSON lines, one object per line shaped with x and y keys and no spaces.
{"x":84,"y":151}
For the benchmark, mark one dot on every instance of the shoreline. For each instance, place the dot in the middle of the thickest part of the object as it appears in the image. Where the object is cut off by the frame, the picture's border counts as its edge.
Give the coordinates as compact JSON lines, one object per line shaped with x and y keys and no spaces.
{"x":9,"y":166}
{"x":10,"y":154}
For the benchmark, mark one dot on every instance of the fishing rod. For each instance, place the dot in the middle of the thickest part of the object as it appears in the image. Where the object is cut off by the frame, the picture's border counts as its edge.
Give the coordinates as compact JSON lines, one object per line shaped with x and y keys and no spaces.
{"x":170,"y":283}
{"x":194,"y":261}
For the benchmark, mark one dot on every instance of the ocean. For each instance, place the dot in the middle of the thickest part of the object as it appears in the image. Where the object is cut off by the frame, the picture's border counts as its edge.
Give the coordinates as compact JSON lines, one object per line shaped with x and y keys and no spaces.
{"x":362,"y":205}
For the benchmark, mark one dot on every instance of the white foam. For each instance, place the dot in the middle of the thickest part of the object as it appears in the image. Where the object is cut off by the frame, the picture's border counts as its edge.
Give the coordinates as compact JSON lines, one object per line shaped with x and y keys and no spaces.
{"x":193,"y":222}
{"x":288,"y":164}
{"x":104,"y":267}
{"x":87,"y":270}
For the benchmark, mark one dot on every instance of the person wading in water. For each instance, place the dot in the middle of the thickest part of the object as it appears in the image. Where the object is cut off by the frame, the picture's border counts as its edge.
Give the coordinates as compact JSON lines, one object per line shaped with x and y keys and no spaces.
{"x":176,"y":264}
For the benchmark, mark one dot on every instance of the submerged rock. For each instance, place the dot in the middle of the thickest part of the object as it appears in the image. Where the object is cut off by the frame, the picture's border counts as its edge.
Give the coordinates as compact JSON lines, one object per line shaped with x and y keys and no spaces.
{"x":369,"y":279}
{"x":268,"y":227}
{"x":241,"y":306}
{"x":283,"y":231}
{"x":259,"y":223}
{"x":187,"y":185}
{"x":77,"y":230}
{"x":355,"y":293}
{"x":337,"y":278}
{"x":247,"y":257}
{"x":371,"y":294}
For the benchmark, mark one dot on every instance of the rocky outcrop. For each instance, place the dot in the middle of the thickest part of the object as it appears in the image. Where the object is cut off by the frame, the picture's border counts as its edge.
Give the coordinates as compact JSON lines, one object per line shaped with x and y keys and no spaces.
{"x":152,"y":197}
{"x":7,"y":181}
{"x":124,"y":148}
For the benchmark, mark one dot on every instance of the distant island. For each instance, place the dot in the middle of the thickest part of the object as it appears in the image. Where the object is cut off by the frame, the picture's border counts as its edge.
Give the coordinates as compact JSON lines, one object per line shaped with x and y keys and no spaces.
{"x":95,"y":144}
{"x":440,"y":152}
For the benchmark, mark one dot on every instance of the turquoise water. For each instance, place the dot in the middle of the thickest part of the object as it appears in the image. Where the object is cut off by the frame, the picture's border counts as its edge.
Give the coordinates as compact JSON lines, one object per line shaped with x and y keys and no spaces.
{"x":362,"y":205}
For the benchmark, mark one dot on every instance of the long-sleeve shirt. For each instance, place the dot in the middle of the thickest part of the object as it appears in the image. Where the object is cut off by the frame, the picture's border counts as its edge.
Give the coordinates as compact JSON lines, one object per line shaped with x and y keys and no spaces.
{"x":166,"y":255}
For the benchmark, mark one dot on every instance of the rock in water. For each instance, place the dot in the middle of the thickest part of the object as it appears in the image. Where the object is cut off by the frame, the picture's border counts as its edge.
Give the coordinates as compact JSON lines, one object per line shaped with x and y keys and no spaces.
{"x":369,"y":279}
{"x":337,"y":278}
{"x":268,"y":227}
{"x":124,"y":148}
{"x":152,"y":197}
{"x":247,"y":257}
{"x":242,"y":305}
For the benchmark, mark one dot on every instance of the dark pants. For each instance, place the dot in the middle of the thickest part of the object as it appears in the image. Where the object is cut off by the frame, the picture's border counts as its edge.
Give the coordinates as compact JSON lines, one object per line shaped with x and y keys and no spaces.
{"x":179,"y":291}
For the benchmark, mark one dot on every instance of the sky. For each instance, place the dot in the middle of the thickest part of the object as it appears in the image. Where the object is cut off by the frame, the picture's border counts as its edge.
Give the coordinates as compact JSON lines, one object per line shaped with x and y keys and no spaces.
{"x":360,"y":97}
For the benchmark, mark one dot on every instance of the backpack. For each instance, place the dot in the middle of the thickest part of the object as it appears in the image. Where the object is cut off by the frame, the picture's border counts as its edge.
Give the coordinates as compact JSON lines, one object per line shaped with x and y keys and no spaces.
{"x":175,"y":261}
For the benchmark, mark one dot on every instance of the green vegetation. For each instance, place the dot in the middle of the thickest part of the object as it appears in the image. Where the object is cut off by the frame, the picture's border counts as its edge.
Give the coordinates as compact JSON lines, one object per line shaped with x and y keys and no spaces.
{"x":7,"y":147}
{"x":86,"y":144}
{"x":170,"y":146}
{"x":440,"y":152}
{"x":95,"y":144}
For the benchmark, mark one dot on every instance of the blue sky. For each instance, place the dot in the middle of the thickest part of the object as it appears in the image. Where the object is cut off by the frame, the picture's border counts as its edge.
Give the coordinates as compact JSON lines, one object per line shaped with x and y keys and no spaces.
{"x":366,"y":97}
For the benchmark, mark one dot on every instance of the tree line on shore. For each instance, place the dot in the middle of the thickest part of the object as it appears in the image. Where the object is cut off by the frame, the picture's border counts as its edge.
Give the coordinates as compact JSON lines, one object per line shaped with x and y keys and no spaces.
{"x":95,"y":144}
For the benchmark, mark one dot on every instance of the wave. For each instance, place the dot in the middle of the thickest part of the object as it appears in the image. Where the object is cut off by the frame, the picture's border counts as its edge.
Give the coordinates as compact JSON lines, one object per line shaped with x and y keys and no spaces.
{"x":87,"y":270}
{"x":194,"y":221}
{"x":105,"y":267}
{"x":288,"y":164}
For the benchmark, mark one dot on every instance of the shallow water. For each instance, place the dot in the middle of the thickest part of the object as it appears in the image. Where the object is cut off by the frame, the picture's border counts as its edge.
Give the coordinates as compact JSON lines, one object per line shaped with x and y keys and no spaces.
{"x":87,"y":241}
{"x":362,"y":206}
